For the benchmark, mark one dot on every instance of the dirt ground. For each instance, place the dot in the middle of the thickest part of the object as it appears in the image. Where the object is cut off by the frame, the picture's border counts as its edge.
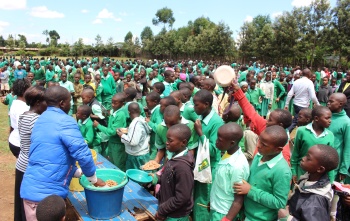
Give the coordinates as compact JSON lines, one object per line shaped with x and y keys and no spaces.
{"x":7,"y":174}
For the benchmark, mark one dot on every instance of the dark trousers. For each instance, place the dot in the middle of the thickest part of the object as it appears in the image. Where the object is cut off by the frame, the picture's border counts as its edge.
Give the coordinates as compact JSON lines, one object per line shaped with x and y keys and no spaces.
{"x":295,"y":119}
{"x":14,"y":149}
{"x":19,"y":214}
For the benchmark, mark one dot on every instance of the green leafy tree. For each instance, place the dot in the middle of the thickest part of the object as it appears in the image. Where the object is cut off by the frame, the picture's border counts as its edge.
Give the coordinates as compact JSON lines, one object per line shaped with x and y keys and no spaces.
{"x":46,"y":33}
{"x":164,"y":16}
{"x":146,"y":33}
{"x":99,"y":44}
{"x":10,"y":42}
{"x":23,"y":38}
{"x":201,"y":24}
{"x":54,"y":36}
{"x":128,"y":37}
{"x":2,"y":41}
{"x":78,"y":47}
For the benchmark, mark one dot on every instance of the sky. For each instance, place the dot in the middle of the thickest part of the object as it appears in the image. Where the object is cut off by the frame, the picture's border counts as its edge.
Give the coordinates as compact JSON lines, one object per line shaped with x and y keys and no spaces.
{"x":85,"y":19}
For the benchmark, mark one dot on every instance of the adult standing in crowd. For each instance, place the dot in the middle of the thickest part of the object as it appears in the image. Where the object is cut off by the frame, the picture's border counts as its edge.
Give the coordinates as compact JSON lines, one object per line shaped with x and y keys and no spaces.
{"x":303,"y":91}
{"x":345,"y":89}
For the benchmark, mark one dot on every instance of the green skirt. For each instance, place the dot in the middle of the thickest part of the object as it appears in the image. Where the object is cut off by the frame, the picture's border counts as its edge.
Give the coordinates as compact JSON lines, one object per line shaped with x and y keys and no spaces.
{"x":264,"y":107}
{"x":117,"y":154}
{"x":291,"y":106}
{"x":185,"y":218}
{"x":135,"y":162}
{"x":201,"y":201}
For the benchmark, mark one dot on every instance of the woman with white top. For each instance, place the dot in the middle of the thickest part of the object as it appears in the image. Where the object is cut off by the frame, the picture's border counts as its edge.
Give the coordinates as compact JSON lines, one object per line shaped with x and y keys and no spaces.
{"x":18,"y":107}
{"x":34,"y":97}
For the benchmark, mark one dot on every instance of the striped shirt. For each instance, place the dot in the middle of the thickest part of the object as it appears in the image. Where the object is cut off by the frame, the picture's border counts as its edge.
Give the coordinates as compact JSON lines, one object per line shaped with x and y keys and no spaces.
{"x":25,"y":126}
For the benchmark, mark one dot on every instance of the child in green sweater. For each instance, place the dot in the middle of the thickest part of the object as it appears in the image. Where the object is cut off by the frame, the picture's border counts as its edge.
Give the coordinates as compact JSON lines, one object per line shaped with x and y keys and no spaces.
{"x":269,"y":182}
{"x":255,"y":96}
{"x":87,"y":128}
{"x":309,"y":135}
{"x":116,"y":120}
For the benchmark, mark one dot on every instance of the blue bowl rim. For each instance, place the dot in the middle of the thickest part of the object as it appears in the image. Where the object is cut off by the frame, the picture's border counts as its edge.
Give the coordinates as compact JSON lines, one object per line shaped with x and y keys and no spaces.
{"x":138,"y":171}
{"x":105,"y":189}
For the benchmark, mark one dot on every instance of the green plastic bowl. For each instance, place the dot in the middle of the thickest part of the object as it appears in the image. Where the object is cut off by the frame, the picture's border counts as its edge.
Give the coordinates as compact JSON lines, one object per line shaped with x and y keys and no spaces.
{"x":139,"y":176}
{"x":106,"y":174}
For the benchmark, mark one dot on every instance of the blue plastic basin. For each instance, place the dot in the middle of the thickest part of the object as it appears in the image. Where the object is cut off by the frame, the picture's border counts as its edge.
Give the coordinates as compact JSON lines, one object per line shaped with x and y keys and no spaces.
{"x":105,"y":202}
{"x":139,"y":176}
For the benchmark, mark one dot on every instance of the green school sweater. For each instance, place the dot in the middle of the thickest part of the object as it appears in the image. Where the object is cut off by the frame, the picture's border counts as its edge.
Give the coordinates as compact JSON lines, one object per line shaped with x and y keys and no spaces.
{"x":255,"y":95}
{"x":270,"y":184}
{"x":117,"y":120}
{"x":126,"y":112}
{"x":49,"y":76}
{"x":304,"y":139}
{"x":89,"y":133}
{"x":108,"y":85}
{"x":340,"y":127}
{"x":189,"y":112}
{"x":162,"y":131}
{"x":39,"y":74}
{"x":279,"y":90}
{"x":210,"y":127}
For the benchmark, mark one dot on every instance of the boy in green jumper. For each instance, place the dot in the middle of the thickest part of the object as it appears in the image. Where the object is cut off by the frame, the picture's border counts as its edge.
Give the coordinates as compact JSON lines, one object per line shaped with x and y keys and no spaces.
{"x":309,"y":135}
{"x":116,"y":120}
{"x":269,"y":182}
{"x":188,"y":111}
{"x":255,"y":95}
{"x":171,"y":117}
{"x":130,"y":95}
{"x":87,"y":128}
{"x":206,"y":127}
{"x":152,"y":100}
{"x":109,"y":88}
{"x":233,"y":168}
{"x":340,"y":127}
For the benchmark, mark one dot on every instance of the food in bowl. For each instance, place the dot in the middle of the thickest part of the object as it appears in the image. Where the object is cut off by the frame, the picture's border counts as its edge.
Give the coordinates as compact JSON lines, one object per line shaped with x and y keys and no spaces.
{"x":151,"y":165}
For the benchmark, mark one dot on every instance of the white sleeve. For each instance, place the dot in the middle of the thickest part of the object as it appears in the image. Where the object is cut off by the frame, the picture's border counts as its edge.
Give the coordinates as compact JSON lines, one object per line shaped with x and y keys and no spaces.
{"x":289,"y":96}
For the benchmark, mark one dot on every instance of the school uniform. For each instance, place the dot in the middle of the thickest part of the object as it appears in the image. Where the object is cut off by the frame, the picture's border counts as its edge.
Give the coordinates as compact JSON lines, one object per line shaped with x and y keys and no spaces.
{"x":155,"y":120}
{"x":126,"y":112}
{"x":119,"y":86}
{"x":109,"y":90}
{"x":340,"y":128}
{"x":69,"y":86}
{"x":305,"y":138}
{"x":136,"y":143}
{"x":230,"y":170}
{"x":88,"y":131}
{"x":98,"y":92}
{"x":268,"y":89}
{"x":50,"y":76}
{"x":270,"y":184}
{"x":39,"y":74}
{"x":188,"y":111}
{"x":210,"y":127}
{"x":279,"y":91}
{"x":116,"y":149}
{"x":160,"y":141}
{"x":323,"y":94}
{"x":168,"y":89}
{"x":254,"y":98}
{"x":345,"y":89}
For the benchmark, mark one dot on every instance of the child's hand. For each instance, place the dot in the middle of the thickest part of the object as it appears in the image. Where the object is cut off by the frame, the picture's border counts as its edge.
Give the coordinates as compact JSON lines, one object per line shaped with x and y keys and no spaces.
{"x":286,"y":108}
{"x":295,"y":179}
{"x":347,"y":200}
{"x":242,"y":188}
{"x":158,"y":217}
{"x":198,"y":127}
{"x":235,"y":86}
{"x":96,"y":123}
{"x":277,"y":99}
{"x":342,"y":177}
{"x":269,"y":107}
{"x":282,"y":213}
{"x":120,"y":134}
{"x":147,"y":119}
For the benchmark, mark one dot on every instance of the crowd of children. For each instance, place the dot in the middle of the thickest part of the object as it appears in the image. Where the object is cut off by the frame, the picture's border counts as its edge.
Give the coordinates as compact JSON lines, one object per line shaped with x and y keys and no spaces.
{"x":134,"y":112}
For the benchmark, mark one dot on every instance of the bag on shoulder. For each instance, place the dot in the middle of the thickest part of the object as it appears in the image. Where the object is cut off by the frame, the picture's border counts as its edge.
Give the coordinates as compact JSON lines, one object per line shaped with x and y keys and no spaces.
{"x":202,"y":170}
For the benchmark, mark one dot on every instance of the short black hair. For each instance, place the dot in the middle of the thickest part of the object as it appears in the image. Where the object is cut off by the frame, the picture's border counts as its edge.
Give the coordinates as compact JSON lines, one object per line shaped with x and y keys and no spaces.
{"x":171,"y":110}
{"x":154,"y":96}
{"x":34,"y":94}
{"x":131,"y":92}
{"x":86,"y":110}
{"x":307,"y":112}
{"x":181,"y":131}
{"x":167,"y":73}
{"x":186,"y":92}
{"x":284,"y":117}
{"x":89,"y":91}
{"x":159,"y":86}
{"x":40,"y":83}
{"x":182,"y":85}
{"x":169,"y":100}
{"x":177,"y":94}
{"x":52,"y":208}
{"x":86,"y":86}
{"x":55,"y":94}
{"x":278,"y":134}
{"x":20,"y":86}
{"x":210,"y":82}
{"x":234,"y":130}
{"x":134,"y":107}
{"x":204,"y":96}
{"x":328,"y":158}
{"x":318,"y":111}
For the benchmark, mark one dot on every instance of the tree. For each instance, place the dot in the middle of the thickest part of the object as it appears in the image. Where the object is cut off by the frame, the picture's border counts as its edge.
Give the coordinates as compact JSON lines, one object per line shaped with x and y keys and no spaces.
{"x":137,"y":42}
{"x":10,"y":42}
{"x":99,"y":44}
{"x":46,"y":33}
{"x":201,"y":24}
{"x":54,"y":36}
{"x":128,"y":37}
{"x":146,"y":33}
{"x":78,"y":47}
{"x":24,"y":39}
{"x":22,"y":45}
{"x":164,"y":16}
{"x":110,"y":45}
{"x":2,"y":41}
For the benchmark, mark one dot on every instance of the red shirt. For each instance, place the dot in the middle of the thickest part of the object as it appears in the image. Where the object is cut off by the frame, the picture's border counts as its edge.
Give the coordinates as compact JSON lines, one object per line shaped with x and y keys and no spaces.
{"x":257,"y":122}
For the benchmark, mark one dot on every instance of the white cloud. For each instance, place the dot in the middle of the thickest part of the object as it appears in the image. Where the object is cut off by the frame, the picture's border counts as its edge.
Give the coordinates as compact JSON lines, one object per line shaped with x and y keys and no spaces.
{"x":276,"y":14}
{"x":13,"y":4}
{"x":105,"y":14}
{"x":44,"y":12}
{"x":97,"y":21}
{"x":87,"y":41}
{"x":117,"y":19}
{"x":84,"y":11}
{"x":3,"y":24}
{"x":248,"y":18}
{"x":123,"y":14}
{"x":301,"y":3}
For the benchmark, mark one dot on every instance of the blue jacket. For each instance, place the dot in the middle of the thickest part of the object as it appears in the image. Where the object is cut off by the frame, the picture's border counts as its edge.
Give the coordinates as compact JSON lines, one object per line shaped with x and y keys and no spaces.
{"x":56,"y":144}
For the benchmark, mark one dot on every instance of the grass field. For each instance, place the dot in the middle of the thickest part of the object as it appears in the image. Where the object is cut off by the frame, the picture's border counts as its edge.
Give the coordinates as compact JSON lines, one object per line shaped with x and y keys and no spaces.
{"x":4,"y":130}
